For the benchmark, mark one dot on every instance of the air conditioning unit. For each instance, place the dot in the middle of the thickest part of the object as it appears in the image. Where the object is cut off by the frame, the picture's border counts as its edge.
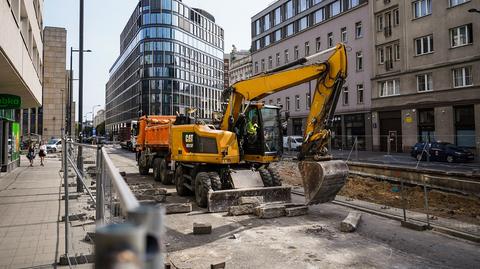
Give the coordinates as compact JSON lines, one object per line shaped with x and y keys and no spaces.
{"x":387,"y":31}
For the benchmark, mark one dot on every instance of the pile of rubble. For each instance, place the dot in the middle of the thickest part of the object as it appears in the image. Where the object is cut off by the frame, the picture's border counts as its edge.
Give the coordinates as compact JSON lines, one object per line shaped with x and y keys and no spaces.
{"x":255,"y":205}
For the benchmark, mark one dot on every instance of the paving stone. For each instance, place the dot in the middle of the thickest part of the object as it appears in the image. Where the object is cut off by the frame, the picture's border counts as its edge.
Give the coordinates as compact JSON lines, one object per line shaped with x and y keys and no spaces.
{"x":71,"y":197}
{"x":202,"y":228}
{"x":350,"y":223}
{"x":257,"y":200}
{"x":269,"y":211}
{"x":219,"y":265}
{"x":296,"y":211}
{"x":244,"y":209}
{"x":178,"y":208}
{"x":79,"y":216}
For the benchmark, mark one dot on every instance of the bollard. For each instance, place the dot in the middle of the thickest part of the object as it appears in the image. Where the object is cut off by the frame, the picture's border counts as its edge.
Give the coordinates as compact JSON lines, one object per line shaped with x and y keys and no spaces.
{"x":120,"y":246}
{"x":99,"y":207}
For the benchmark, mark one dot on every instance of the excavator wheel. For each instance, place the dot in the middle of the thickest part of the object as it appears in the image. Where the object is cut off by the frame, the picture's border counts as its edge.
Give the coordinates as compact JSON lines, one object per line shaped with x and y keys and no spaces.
{"x":215,"y":181}
{"x":165,"y":178}
{"x":182,"y":190}
{"x":142,"y":164}
{"x":202,"y":186}
{"x":266,"y":177}
{"x":156,"y":169}
{"x":276,"y":179}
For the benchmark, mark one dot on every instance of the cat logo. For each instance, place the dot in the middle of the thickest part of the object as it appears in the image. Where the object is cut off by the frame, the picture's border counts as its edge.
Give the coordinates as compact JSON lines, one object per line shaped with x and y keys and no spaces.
{"x":188,"y":140}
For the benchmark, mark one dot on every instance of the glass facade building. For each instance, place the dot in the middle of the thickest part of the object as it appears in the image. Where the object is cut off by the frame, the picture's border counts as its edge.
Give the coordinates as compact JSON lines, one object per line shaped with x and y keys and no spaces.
{"x":171,"y":58}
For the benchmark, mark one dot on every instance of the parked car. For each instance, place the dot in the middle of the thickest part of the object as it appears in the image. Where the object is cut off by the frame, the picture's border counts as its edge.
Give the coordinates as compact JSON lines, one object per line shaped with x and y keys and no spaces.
{"x":441,"y":151}
{"x":54,"y":145}
{"x":292,"y":142}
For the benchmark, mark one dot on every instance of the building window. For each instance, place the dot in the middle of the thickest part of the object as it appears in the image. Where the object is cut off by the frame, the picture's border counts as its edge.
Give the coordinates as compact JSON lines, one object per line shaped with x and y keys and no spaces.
{"x":396,"y":51}
{"x":266,"y":41}
{"x":465,"y":126}
{"x":288,"y":10}
{"x":358,"y":30}
{"x":334,"y":8}
{"x":270,"y":102}
{"x":289,"y":31}
{"x":359,"y":62}
{"x":462,"y":77}
{"x":307,"y":48}
{"x":287,"y":103}
{"x":461,"y":36}
{"x":396,"y":17}
{"x":256,"y":67}
{"x":279,"y":102}
{"x":424,"y":83}
{"x":343,"y":34}
{"x":380,"y":23}
{"x":389,"y":88}
{"x":263,"y":65}
{"x":278,"y":35}
{"x":330,"y":40}
{"x":426,"y":125}
{"x":381,"y":56}
{"x":286,"y":56}
{"x":266,"y":22}
{"x":277,"y":59}
{"x":257,"y":27}
{"x":302,"y":5}
{"x":317,"y":44}
{"x":270,"y":62}
{"x":360,"y":94}
{"x":277,"y":16}
{"x":453,"y":3}
{"x":345,"y":96}
{"x":424,"y":45}
{"x":295,"y":53}
{"x":297,"y":102}
{"x":303,"y":23}
{"x":319,"y":16}
{"x":422,"y":8}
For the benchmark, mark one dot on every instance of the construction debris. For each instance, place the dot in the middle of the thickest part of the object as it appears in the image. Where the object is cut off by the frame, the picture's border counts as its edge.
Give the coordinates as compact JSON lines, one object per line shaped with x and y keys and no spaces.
{"x":220,"y":265}
{"x":269,"y":211}
{"x":244,"y":209}
{"x":256,"y":200}
{"x":296,"y":211}
{"x":350,"y":223}
{"x":178,"y":208}
{"x":202,"y":228}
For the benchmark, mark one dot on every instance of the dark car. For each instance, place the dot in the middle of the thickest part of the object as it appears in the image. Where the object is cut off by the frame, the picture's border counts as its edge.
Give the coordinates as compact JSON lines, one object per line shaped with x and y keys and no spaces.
{"x":441,"y":151}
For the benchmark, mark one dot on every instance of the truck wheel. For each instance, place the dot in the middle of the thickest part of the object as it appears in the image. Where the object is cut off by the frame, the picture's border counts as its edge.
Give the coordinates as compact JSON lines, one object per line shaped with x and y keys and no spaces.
{"x":276,"y":179}
{"x":156,"y":169}
{"x":165,"y":178}
{"x":179,"y":182}
{"x":142,"y":164}
{"x":202,"y":186}
{"x":215,"y":181}
{"x":266,"y":177}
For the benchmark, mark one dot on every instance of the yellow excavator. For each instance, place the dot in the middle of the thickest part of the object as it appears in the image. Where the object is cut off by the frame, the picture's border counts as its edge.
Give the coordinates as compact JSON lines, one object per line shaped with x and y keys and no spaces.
{"x":221,"y":163}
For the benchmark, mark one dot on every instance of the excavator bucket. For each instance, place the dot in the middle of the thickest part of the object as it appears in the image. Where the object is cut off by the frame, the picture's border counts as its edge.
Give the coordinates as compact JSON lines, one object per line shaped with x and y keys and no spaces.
{"x":322,"y":180}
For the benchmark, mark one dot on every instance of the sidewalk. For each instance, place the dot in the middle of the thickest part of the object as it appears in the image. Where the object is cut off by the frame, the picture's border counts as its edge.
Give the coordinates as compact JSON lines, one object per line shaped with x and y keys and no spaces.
{"x":31,"y":234}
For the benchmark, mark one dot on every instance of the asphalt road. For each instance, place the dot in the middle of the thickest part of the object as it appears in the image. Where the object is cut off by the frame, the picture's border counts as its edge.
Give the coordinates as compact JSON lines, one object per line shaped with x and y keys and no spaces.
{"x":310,"y":241}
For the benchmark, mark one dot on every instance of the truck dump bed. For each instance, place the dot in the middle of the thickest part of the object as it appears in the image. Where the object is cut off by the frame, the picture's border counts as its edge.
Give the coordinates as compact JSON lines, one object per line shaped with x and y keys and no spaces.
{"x":157,"y":132}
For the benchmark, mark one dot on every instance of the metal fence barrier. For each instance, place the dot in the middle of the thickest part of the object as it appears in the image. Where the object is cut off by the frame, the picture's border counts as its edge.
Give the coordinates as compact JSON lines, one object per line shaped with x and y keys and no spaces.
{"x":127,"y":233}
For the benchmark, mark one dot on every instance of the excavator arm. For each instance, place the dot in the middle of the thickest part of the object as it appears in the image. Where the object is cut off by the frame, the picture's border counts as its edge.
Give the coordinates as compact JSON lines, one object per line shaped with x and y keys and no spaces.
{"x":329,"y":76}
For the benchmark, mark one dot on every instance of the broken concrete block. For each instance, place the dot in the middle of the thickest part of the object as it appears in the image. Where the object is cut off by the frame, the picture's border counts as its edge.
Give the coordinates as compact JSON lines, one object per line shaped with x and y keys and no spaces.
{"x":256,"y":200}
{"x":414,"y":225}
{"x":71,"y":196}
{"x":270,"y":211}
{"x":350,"y":223}
{"x":244,"y":209}
{"x":155,"y":191}
{"x":296,"y":211}
{"x":220,"y":265}
{"x":202,"y":228}
{"x":80,"y":216}
{"x":178,"y":208}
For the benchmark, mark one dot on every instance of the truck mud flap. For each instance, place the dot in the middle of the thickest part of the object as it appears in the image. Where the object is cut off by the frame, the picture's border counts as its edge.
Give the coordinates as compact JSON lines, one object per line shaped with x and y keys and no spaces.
{"x":220,"y":201}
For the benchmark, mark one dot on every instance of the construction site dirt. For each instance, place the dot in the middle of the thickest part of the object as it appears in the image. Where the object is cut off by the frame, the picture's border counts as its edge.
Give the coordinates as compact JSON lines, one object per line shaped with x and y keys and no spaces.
{"x":309,"y":241}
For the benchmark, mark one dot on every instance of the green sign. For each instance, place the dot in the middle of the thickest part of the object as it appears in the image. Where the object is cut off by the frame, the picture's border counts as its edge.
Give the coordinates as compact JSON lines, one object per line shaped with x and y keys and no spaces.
{"x":15,"y":146}
{"x":8,"y":101}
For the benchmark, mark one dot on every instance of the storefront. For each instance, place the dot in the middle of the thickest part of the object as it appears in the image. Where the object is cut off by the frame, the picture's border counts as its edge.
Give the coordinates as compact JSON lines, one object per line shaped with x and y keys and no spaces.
{"x":9,"y":133}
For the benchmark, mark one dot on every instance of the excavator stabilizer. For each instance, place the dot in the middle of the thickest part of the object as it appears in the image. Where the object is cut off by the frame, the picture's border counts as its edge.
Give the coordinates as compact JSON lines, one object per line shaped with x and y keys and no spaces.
{"x":322,"y":180}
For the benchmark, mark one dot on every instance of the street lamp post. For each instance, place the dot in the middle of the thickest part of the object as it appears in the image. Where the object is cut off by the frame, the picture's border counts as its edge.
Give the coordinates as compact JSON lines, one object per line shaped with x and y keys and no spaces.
{"x":70,"y":92}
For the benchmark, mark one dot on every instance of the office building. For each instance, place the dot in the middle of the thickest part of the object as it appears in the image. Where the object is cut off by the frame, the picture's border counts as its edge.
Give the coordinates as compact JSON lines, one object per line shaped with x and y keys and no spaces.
{"x":21,"y":64}
{"x":240,"y":65}
{"x":171,"y":58}
{"x":426,"y":83}
{"x":99,"y":118}
{"x":288,"y":30}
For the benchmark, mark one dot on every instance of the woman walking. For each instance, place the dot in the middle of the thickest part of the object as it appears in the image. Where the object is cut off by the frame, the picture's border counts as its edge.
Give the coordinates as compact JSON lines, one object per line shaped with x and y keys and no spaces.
{"x":31,"y":153}
{"x":42,"y":152}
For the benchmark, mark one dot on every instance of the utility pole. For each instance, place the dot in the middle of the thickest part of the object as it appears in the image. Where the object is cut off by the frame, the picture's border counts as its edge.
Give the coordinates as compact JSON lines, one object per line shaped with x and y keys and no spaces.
{"x":80,"y":97}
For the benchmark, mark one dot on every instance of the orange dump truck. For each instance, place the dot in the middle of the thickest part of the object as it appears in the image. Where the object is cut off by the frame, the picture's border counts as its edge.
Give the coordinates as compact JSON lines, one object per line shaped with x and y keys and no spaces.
{"x":153,"y":147}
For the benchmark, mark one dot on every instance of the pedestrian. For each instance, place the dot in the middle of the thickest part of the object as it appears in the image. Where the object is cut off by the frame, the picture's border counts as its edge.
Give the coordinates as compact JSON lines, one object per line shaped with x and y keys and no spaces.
{"x":31,"y":153}
{"x":42,"y":152}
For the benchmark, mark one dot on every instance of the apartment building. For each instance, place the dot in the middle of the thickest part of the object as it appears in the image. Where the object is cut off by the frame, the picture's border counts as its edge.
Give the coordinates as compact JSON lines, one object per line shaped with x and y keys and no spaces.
{"x":290,"y":29}
{"x":240,"y":65}
{"x":21,"y":64}
{"x":426,"y":73}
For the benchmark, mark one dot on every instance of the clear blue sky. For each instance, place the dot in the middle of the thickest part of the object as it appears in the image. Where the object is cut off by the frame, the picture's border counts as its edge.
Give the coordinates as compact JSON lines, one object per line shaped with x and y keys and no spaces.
{"x":105,"y":19}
